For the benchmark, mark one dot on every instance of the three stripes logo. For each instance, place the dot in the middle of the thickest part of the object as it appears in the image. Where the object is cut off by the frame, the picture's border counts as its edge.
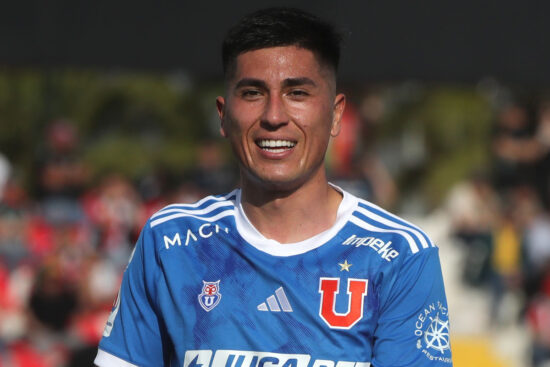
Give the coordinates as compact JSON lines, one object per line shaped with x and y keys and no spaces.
{"x":276,"y":302}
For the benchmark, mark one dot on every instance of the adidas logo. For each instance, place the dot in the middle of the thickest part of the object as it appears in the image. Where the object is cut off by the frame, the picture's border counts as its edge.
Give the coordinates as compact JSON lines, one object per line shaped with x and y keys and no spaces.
{"x":273,"y":305}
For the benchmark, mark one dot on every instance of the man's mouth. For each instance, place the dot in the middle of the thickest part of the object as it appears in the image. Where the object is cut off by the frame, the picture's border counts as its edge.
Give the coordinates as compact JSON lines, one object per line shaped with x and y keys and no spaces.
{"x":275,"y":146}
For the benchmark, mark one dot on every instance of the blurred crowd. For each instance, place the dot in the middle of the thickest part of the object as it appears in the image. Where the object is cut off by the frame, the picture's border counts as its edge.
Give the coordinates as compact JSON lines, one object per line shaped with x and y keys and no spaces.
{"x":501,"y":216}
{"x":65,"y":243}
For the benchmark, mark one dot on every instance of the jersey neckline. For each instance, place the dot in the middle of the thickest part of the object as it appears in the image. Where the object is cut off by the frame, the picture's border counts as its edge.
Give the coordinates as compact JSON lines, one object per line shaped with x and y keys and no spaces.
{"x":272,"y":247}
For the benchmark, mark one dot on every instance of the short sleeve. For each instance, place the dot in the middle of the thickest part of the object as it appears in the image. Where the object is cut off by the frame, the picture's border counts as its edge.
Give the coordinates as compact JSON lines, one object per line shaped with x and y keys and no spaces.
{"x":413,"y":327}
{"x":133,"y":334}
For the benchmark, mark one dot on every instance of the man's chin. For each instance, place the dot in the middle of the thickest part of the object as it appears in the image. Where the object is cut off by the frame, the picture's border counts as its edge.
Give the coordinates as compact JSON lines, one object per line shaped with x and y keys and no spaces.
{"x":275,"y":184}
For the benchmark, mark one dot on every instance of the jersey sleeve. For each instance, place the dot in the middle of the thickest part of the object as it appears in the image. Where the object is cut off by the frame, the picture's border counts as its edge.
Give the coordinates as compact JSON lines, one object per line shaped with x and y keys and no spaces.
{"x":413,"y":327}
{"x":133,"y":334}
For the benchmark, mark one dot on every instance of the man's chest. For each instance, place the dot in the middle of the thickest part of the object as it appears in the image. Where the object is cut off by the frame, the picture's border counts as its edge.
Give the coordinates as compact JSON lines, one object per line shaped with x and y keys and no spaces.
{"x":215,"y":297}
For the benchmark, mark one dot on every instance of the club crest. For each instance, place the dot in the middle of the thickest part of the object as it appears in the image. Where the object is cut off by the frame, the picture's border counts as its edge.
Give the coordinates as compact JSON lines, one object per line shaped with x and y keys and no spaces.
{"x":210,"y":295}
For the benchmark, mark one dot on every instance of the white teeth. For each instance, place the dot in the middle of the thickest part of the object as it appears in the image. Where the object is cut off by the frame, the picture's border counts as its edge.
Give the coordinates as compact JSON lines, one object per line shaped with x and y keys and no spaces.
{"x":276,"y":144}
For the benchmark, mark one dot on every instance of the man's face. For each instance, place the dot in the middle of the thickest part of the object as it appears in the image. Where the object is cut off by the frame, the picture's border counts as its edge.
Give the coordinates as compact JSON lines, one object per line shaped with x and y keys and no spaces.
{"x":279,"y":112}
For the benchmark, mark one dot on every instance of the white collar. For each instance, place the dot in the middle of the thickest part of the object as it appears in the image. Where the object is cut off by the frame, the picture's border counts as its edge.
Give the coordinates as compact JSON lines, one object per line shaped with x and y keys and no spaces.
{"x":273,"y":247}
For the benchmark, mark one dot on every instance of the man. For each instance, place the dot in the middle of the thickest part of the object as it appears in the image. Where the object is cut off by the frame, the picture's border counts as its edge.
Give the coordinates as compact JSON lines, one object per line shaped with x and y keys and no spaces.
{"x":288,"y":270}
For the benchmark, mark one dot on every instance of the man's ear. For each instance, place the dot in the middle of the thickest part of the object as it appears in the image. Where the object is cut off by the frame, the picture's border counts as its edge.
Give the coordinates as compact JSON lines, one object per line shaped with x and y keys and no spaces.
{"x":220,"y":106}
{"x":337,"y":113}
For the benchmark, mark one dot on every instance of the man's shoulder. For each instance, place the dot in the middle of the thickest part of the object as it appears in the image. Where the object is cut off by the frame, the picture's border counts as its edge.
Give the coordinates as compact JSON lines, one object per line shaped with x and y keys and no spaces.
{"x":382,"y":229}
{"x":182,"y":224}
{"x":206,"y":210}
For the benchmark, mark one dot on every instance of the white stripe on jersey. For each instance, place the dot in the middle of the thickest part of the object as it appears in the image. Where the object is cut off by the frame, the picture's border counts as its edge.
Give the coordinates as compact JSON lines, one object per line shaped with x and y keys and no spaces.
{"x":361,"y":223}
{"x":194,"y":205}
{"x":206,"y":210}
{"x":411,"y":229}
{"x":105,"y":359}
{"x":180,"y":215}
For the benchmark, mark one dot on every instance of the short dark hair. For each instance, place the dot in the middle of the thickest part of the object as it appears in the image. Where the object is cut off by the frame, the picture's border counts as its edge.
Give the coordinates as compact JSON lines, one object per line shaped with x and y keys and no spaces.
{"x":274,"y":27}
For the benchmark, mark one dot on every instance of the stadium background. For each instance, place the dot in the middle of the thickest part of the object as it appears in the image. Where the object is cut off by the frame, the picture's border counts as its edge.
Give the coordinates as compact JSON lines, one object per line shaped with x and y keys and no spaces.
{"x":107,"y":113}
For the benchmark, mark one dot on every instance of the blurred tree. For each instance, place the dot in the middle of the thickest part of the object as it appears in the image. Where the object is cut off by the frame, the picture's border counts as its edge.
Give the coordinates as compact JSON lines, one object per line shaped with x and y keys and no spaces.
{"x":443,"y":135}
{"x":128,"y":122}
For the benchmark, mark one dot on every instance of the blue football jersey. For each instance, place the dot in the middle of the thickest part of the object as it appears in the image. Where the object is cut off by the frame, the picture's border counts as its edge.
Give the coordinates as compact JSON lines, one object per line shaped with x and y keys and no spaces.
{"x":204,"y":288}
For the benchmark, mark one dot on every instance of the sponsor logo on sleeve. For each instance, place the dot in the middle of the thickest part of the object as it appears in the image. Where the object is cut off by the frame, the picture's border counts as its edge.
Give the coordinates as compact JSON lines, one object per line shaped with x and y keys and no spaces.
{"x":432,"y":331}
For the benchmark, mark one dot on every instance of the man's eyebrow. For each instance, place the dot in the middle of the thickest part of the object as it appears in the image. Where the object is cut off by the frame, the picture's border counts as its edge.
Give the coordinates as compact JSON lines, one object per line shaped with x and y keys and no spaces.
{"x":251,"y":82}
{"x":295,"y":82}
{"x":289,"y":82}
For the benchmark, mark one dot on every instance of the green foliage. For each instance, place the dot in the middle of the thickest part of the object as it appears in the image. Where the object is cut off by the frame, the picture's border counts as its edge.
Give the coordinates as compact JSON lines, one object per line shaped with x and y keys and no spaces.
{"x":457,"y":122}
{"x":453,"y":123}
{"x":134,"y":157}
{"x":127,"y":122}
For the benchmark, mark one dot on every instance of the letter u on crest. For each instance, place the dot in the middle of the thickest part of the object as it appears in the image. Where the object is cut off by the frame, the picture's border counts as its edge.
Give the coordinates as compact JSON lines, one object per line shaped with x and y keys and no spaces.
{"x":329,"y":288}
{"x":208,"y":301}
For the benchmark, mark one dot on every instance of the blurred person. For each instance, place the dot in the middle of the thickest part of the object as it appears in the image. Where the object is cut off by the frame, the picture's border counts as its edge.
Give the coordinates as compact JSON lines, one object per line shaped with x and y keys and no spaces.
{"x":485,"y":223}
{"x":15,"y":196}
{"x":474,"y":209}
{"x":8,"y":308}
{"x":61,"y":180}
{"x":16,"y":264}
{"x":506,"y":268}
{"x":13,"y":239}
{"x":515,"y":149}
{"x":542,"y":138}
{"x":356,"y":169}
{"x":534,"y":222}
{"x":537,"y":241}
{"x":342,"y":163}
{"x":368,"y":178}
{"x":153,"y":189}
{"x":538,"y":318}
{"x":69,"y":242}
{"x":24,"y":353}
{"x":187,"y":192}
{"x":5,"y":173}
{"x":383,"y":187}
{"x":14,"y":219}
{"x":116,"y":210}
{"x":96,"y":290}
{"x":61,"y":170}
{"x":342,"y":151}
{"x":54,"y":297}
{"x":15,"y":289}
{"x":49,"y":307}
{"x":211,"y":172}
{"x":287,"y":270}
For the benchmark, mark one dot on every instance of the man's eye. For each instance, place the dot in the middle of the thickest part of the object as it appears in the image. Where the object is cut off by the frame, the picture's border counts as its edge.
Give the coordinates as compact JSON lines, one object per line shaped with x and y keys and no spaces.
{"x":298,"y":93}
{"x":250,"y":93}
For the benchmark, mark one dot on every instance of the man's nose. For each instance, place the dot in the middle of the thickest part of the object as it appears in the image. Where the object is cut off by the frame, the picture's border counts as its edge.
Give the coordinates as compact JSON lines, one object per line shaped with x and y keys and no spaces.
{"x":275,"y":112}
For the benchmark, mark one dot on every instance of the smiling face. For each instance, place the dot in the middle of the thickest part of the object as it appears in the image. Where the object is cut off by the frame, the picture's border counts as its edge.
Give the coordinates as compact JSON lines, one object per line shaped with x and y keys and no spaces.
{"x":279,"y":113}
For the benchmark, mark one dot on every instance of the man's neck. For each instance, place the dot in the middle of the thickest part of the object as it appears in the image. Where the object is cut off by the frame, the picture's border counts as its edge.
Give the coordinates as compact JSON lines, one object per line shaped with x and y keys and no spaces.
{"x":292,"y":215}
